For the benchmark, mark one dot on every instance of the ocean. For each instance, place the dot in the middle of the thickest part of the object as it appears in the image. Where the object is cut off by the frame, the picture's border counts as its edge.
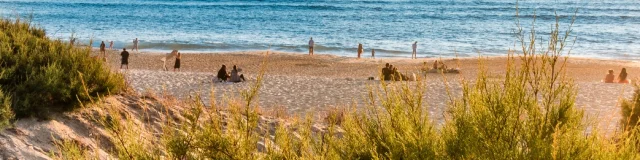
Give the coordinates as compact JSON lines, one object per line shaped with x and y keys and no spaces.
{"x":603,"y":29}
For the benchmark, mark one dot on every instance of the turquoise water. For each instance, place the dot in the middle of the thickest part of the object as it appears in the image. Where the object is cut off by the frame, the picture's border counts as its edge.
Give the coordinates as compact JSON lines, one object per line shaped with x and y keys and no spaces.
{"x":602,"y":29}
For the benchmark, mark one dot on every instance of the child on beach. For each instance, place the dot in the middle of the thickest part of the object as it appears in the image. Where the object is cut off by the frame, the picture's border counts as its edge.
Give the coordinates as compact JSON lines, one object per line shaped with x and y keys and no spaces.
{"x":125,"y":58}
{"x":609,"y":77}
{"x":177,"y":63}
{"x":222,"y":74}
{"x":360,"y":50}
{"x":622,"y":77}
{"x":234,"y":75}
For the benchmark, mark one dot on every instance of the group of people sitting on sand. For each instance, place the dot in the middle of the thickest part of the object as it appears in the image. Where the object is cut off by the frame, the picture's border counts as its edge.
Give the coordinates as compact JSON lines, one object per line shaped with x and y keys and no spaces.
{"x":389,"y":72}
{"x":622,"y":77}
{"x":233,"y":76}
{"x":438,"y":67}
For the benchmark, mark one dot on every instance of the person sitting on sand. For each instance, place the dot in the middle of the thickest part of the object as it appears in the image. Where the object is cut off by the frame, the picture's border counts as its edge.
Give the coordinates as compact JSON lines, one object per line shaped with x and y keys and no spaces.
{"x":442,"y":66}
{"x":373,"y":53}
{"x":435,"y":65}
{"x":622,"y":77}
{"x":386,"y":72}
{"x":397,"y":76}
{"x":177,"y":63}
{"x":222,"y":74}
{"x":234,"y":75}
{"x":609,"y":77}
{"x":425,"y":67}
{"x":125,"y":58}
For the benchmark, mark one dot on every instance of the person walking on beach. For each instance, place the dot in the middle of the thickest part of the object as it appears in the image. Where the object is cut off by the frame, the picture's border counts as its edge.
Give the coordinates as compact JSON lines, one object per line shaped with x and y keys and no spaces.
{"x":360,"y":50}
{"x":414,"y":47}
{"x":311,"y":44}
{"x":103,"y":51}
{"x":373,"y":53}
{"x":177,"y":64}
{"x":125,"y":58}
{"x":111,"y":45}
{"x":135,"y":45}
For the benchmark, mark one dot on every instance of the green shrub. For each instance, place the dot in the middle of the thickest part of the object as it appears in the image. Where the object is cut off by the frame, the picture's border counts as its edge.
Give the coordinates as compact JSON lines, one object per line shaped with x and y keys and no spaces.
{"x":529,"y":114}
{"x":630,"y":109}
{"x":6,"y":115}
{"x":44,"y":75}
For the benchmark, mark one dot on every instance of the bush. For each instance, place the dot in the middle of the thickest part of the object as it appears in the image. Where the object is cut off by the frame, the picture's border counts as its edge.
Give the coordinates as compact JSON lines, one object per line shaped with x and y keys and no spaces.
{"x":5,"y":110}
{"x":46,"y":75}
{"x":630,"y":109}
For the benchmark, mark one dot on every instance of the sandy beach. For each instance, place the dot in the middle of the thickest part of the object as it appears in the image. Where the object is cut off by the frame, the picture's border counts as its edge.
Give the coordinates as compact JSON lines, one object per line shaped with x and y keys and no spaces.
{"x":312,"y":84}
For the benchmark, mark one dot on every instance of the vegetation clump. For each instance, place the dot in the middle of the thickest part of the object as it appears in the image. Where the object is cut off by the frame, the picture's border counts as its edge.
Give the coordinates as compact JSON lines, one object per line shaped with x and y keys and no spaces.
{"x":44,"y":75}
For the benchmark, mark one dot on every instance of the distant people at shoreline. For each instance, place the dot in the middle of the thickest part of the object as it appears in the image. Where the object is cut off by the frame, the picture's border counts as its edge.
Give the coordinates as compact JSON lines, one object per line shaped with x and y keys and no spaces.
{"x":360,"y":50}
{"x":176,"y":65}
{"x":72,"y":41}
{"x":124,"y":58}
{"x":135,"y":45}
{"x":311,"y":44}
{"x":111,"y":45}
{"x":414,"y":54}
{"x":373,"y":53}
{"x":103,"y":51}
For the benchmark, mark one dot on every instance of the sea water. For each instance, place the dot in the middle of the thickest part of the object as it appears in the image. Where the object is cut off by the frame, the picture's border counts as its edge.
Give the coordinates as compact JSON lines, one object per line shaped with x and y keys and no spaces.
{"x":605,"y":29}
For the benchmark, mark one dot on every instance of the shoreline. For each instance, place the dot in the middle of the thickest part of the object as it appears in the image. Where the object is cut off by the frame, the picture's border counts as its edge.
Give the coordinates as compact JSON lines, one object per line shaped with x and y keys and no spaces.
{"x":366,"y":55}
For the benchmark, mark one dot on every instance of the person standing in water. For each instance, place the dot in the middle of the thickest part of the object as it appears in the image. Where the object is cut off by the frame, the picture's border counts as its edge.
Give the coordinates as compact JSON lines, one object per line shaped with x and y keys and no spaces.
{"x":111,"y":45}
{"x":103,"y":51}
{"x":177,"y":64}
{"x":135,"y":45}
{"x":373,"y":53}
{"x":311,"y":44}
{"x":414,"y":47}
{"x":125,"y":58}
{"x":360,"y":50}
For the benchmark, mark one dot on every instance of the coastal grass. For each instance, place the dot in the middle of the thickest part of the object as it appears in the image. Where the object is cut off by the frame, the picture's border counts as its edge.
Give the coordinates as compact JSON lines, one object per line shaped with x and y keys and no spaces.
{"x":43,"y":75}
{"x":529,"y":113}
